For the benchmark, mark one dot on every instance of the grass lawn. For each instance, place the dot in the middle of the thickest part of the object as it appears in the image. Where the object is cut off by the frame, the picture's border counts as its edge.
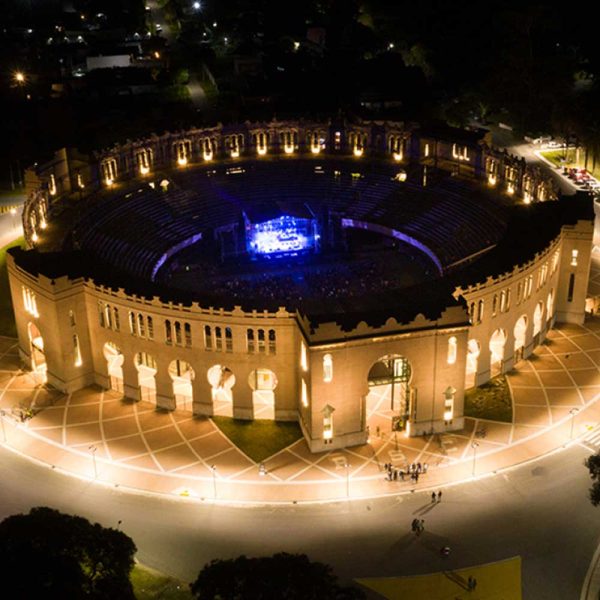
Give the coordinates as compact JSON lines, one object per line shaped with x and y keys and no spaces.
{"x":260,"y":438}
{"x":152,"y":585}
{"x":555,"y":156}
{"x":7,"y":319}
{"x":490,"y":401}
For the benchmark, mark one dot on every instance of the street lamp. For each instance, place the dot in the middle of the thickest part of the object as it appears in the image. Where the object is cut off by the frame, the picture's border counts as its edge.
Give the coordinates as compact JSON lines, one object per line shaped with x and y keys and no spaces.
{"x":474,"y":445}
{"x":19,"y":78}
{"x":347,"y":465}
{"x":572,"y":412}
{"x":93,"y":449}
{"x":213,"y":468}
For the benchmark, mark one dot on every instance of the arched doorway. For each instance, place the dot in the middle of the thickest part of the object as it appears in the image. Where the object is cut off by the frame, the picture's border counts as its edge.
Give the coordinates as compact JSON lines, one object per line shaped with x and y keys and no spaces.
{"x":537,"y":322}
{"x":114,"y":363}
{"x":38,"y":358}
{"x":473,"y":352}
{"x":182,"y":375}
{"x":388,"y":401}
{"x":549,"y":307}
{"x":520,"y":333}
{"x":497,"y":343}
{"x":263,"y":383}
{"x":222,"y":381}
{"x":146,"y":367}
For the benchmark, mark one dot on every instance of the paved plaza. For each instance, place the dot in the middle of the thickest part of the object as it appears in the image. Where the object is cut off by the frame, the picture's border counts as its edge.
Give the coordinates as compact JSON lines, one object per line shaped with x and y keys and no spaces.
{"x":96,"y":434}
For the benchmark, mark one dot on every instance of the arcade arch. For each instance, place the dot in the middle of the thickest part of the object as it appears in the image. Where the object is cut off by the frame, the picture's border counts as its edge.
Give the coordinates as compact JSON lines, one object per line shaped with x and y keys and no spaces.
{"x":550,"y":305}
{"x":473,"y":352}
{"x":537,"y":322}
{"x":38,"y":358}
{"x":182,"y":375}
{"x":146,"y":367}
{"x":263,"y":383}
{"x":114,"y":366}
{"x":497,"y":343}
{"x":388,"y":400}
{"x":222,"y":380}
{"x":520,"y":333}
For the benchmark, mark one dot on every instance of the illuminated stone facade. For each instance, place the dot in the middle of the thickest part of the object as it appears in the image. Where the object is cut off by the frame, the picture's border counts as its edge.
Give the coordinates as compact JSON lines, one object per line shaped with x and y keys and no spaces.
{"x":74,"y":331}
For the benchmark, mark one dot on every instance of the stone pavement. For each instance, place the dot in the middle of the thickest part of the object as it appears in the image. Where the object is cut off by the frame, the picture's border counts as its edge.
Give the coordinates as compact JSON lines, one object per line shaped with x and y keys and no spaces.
{"x":96,"y":434}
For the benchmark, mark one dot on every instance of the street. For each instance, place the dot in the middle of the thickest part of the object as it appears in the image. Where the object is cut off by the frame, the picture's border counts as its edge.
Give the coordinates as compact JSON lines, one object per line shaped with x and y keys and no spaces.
{"x":539,"y":511}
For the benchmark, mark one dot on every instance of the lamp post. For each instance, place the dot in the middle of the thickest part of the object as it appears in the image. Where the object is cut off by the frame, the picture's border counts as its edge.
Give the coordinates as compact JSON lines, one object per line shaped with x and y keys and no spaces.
{"x":347,"y":466}
{"x":572,"y":412}
{"x":213,"y":468}
{"x":474,"y":445}
{"x":93,"y":449}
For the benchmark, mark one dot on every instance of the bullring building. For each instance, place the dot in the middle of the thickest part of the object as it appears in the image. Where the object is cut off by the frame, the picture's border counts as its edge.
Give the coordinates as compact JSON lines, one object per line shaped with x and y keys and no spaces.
{"x":345,"y":275}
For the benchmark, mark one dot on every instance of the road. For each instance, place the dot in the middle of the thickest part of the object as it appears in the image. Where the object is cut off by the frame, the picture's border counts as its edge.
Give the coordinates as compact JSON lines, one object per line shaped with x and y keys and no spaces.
{"x":504,"y":138}
{"x":539,"y":511}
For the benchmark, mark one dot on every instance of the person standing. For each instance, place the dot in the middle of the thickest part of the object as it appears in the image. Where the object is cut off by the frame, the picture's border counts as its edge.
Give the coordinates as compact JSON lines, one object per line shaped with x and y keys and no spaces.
{"x":439,"y":496}
{"x":433,"y":497}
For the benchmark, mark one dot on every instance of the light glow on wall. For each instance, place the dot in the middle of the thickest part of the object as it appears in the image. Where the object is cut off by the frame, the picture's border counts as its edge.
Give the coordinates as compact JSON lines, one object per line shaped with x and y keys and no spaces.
{"x":182,"y":161}
{"x":398,"y":156}
{"x":288,"y":149}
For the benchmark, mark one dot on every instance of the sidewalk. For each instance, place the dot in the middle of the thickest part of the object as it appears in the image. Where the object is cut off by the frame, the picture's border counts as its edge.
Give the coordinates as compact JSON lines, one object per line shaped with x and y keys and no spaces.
{"x":94,"y":434}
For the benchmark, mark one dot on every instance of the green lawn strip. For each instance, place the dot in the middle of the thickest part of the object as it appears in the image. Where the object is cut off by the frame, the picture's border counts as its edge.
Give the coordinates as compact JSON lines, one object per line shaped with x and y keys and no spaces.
{"x":260,"y":438}
{"x":7,"y":318}
{"x":149,"y":584}
{"x":490,"y":401}
{"x":556,"y":156}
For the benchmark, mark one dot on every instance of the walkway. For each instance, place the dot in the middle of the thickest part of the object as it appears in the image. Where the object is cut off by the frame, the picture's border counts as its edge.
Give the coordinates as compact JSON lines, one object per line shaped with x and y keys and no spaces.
{"x":96,"y":434}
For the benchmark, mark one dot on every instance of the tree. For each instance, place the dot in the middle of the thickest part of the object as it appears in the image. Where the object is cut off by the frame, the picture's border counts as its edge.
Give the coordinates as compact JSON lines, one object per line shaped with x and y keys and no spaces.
{"x":48,"y":554}
{"x":279,"y":577}
{"x":593,"y":464}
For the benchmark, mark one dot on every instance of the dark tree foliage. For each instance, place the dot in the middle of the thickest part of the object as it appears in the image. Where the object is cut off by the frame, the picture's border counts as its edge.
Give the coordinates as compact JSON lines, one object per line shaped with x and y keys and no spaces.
{"x":593,"y":464}
{"x":279,"y":577}
{"x":47,"y":554}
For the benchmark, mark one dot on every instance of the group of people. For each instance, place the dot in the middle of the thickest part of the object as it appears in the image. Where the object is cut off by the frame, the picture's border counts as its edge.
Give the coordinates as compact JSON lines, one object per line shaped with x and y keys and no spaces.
{"x":418,"y":526}
{"x":413,"y":472}
{"x":298,"y":280}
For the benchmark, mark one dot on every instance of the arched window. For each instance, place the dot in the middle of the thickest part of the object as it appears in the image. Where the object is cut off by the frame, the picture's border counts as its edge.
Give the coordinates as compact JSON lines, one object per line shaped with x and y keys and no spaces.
{"x":150,"y":327}
{"x":250,"y":340}
{"x":452,"y":350}
{"x":131,"y":323}
{"x":472,"y":312}
{"x":178,"y":338}
{"x":495,"y":305}
{"x":218,"y":339}
{"x":327,"y":368}
{"x":228,"y":340}
{"x":141,"y":326}
{"x":168,"y":332}
{"x":480,"y":311}
{"x":207,"y":337}
{"x":72,"y":318}
{"x":76,"y":351}
{"x":272,"y":341}
{"x":116,"y":321}
{"x":261,"y":341}
{"x":187,"y":331}
{"x":303,"y":357}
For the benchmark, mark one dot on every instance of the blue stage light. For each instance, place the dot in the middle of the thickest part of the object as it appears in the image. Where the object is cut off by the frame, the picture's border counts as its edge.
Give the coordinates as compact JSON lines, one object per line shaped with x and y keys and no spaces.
{"x":284,"y":235}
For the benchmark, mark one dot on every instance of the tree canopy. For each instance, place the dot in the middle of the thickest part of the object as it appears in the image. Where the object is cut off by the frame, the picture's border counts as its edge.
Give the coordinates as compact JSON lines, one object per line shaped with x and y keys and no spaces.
{"x":47,"y":554}
{"x":593,"y":464}
{"x":279,"y":577}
